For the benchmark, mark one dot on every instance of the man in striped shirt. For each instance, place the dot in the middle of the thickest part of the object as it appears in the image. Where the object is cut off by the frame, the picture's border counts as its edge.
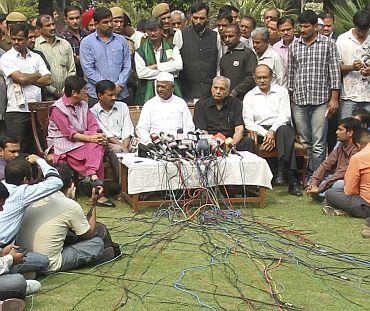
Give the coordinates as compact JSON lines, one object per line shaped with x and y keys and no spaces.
{"x":314,"y":83}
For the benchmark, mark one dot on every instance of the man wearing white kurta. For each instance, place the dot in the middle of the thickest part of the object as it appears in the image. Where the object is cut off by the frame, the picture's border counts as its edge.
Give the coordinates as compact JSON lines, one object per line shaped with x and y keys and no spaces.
{"x":165,"y":112}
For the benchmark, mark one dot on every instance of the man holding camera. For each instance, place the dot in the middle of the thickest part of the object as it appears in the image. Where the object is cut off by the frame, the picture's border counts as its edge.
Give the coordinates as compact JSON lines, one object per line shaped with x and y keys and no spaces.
{"x":354,"y":55}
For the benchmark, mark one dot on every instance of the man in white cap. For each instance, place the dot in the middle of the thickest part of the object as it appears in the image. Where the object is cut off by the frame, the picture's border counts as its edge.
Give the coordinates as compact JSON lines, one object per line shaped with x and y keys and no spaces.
{"x":165,"y":112}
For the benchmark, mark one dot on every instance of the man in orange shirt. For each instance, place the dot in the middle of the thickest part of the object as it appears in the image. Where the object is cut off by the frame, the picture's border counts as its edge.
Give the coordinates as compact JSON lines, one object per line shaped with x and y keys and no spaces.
{"x":355,"y":199}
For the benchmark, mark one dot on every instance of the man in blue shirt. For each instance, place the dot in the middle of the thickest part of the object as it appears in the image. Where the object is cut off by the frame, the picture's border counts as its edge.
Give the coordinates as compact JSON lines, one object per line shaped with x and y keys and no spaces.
{"x":21,"y":194}
{"x":105,"y":55}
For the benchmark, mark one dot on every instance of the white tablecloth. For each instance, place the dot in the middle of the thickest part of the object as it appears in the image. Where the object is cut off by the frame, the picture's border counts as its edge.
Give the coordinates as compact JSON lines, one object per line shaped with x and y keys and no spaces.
{"x":146,"y":175}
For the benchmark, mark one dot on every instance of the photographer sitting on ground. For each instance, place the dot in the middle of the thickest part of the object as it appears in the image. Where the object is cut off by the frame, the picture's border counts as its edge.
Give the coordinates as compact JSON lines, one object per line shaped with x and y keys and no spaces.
{"x":13,"y":286}
{"x":48,"y":221}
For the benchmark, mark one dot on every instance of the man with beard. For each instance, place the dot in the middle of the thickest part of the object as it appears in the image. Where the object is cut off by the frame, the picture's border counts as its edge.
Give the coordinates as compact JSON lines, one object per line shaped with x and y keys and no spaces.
{"x":105,"y":55}
{"x":58,"y":53}
{"x":201,"y":51}
{"x":155,"y":55}
{"x":25,"y":72}
{"x":162,"y":10}
{"x":114,"y":119}
{"x":238,"y":64}
{"x":74,"y":33}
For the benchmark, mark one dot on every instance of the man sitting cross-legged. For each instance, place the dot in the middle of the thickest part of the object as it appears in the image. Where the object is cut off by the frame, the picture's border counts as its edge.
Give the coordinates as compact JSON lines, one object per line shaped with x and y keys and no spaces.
{"x":355,"y":198}
{"x":330,"y":173}
{"x":266,"y":110}
{"x":13,"y":286}
{"x":47,"y":222}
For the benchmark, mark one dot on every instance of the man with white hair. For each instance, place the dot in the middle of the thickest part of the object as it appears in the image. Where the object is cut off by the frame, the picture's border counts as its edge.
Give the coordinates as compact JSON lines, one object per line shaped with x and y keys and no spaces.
{"x":165,"y":112}
{"x":268,"y":56}
{"x":223,"y":114}
{"x":178,"y":20}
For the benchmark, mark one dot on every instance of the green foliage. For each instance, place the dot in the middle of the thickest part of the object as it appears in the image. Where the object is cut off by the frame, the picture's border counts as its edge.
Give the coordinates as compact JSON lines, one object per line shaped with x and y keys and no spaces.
{"x":26,"y":7}
{"x":344,"y":13}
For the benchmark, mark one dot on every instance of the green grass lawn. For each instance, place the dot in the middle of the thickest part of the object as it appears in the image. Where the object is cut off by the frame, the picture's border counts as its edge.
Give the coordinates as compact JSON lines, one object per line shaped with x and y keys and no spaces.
{"x":269,"y":256}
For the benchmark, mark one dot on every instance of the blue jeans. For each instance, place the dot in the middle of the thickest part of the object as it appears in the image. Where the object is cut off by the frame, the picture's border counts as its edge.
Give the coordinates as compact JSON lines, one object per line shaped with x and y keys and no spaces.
{"x":347,"y":106}
{"x":312,"y":125}
{"x":81,"y":253}
{"x":12,"y":286}
{"x":34,"y":262}
{"x":339,"y":184}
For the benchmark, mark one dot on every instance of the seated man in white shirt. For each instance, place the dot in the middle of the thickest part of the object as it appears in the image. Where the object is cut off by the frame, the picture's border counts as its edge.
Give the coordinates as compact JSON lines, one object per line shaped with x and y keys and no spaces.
{"x":114,"y":119}
{"x":266,"y":110}
{"x":165,"y":112}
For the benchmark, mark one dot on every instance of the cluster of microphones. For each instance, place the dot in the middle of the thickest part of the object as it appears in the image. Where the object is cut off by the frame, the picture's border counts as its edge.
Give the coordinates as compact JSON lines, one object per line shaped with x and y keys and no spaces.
{"x":190,"y":146}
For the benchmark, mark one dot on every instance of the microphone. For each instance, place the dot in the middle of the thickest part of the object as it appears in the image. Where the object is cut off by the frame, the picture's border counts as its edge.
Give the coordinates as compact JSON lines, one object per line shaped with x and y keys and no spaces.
{"x":179,"y":136}
{"x":134,"y":144}
{"x":230,"y":144}
{"x":202,"y":148}
{"x":220,"y":138}
{"x":184,"y":152}
{"x":157,"y":142}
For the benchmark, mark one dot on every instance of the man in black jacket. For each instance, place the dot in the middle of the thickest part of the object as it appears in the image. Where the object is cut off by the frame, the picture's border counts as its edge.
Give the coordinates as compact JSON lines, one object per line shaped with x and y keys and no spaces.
{"x":238,"y":64}
{"x":200,"y":49}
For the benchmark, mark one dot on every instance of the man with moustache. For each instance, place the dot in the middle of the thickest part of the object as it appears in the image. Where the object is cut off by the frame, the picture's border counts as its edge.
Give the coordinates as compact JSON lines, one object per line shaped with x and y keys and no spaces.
{"x":162,"y":10}
{"x":114,"y":119}
{"x":58,"y":53}
{"x":238,"y":64}
{"x":247,"y":25}
{"x":178,"y":20}
{"x":74,"y":33}
{"x":25,"y":73}
{"x":154,"y":56}
{"x":286,"y":33}
{"x":105,"y":55}
{"x":201,"y":51}
{"x":314,"y":82}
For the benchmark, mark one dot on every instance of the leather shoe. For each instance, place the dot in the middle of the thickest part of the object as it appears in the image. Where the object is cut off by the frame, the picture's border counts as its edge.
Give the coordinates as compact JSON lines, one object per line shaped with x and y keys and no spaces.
{"x":107,"y":203}
{"x":294,"y":189}
{"x":280,"y":179}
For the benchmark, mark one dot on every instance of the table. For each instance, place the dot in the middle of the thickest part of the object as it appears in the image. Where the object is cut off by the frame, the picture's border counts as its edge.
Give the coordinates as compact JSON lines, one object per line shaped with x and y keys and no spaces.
{"x":143,"y":175}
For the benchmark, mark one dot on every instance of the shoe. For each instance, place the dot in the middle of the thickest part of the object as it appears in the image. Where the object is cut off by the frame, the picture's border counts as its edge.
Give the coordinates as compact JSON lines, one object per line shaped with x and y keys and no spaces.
{"x":29,"y":275}
{"x":33,"y":287}
{"x":107,"y":203}
{"x":12,"y":304}
{"x":294,"y":189}
{"x":331,"y":211}
{"x":107,"y":255}
{"x":366,"y":232}
{"x":280,"y":179}
{"x":88,"y":182}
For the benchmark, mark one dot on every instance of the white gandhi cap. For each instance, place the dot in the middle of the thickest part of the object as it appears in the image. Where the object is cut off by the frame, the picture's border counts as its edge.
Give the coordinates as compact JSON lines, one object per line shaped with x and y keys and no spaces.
{"x":165,"y":76}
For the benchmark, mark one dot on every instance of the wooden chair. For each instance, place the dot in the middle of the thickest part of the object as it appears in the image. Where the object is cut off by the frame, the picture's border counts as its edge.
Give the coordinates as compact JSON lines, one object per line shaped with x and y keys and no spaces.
{"x":40,"y":122}
{"x":300,"y":151}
